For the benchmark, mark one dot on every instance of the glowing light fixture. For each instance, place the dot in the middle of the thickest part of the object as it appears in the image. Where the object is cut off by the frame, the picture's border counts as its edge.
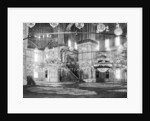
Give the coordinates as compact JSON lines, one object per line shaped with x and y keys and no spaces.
{"x":79,"y":25}
{"x":54,"y":24}
{"x":30,"y":25}
{"x":100,"y":28}
{"x":39,"y":36}
{"x":118,"y":31}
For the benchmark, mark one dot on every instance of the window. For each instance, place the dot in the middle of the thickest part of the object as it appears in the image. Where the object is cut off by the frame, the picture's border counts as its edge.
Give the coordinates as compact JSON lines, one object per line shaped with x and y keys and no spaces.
{"x":35,"y":74}
{"x":35,"y":57}
{"x":69,"y":43}
{"x":118,"y":74}
{"x":76,"y":46}
{"x":98,"y":46}
{"x":107,"y":44}
{"x":117,"y":41}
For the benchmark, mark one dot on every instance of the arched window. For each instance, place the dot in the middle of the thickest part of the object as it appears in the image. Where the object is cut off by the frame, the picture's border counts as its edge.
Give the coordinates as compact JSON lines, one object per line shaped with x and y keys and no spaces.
{"x":35,"y":57}
{"x":107,"y":44}
{"x":117,"y":41}
{"x":35,"y":74}
{"x":118,"y":74}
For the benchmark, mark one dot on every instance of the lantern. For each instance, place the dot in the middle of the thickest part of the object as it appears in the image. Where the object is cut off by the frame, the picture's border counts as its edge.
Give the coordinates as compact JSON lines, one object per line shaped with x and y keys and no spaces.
{"x":100,"y":28}
{"x":30,"y":25}
{"x":79,"y":25}
{"x":118,"y":31}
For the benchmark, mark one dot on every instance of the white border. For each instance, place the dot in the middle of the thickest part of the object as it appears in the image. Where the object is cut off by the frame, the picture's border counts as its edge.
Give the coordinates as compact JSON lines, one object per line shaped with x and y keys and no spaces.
{"x":18,"y":104}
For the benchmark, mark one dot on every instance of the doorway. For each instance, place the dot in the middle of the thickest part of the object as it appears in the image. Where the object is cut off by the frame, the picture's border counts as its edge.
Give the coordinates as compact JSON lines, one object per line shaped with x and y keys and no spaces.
{"x":46,"y":73}
{"x":102,"y":76}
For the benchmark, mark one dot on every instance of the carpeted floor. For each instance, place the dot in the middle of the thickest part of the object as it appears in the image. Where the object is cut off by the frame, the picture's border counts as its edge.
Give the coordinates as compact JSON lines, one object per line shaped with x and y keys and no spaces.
{"x":76,"y":90}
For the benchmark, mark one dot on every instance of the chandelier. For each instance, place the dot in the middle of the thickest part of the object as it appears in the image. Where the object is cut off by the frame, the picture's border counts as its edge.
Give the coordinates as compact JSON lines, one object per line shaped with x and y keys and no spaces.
{"x":30,"y":25}
{"x":100,"y":28}
{"x":79,"y":25}
{"x":103,"y":64}
{"x":54,"y":24}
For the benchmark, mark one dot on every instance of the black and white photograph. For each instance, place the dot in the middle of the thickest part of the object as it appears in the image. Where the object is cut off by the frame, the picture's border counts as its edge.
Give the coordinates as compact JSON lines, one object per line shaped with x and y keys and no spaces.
{"x":75,"y":60}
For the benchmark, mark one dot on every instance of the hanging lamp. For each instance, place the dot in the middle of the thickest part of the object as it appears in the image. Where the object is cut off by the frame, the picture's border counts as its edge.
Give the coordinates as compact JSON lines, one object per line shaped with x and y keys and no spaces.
{"x":79,"y":25}
{"x":118,"y":31}
{"x":100,"y":27}
{"x":30,"y":25}
{"x":54,"y":24}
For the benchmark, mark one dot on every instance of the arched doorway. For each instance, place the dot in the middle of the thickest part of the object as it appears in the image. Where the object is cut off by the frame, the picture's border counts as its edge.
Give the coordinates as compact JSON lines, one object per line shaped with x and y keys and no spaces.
{"x":101,"y":76}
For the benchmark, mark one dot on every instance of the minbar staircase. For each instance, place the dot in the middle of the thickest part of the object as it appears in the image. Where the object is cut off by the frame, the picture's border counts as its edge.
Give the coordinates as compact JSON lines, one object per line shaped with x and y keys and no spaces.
{"x":71,"y":75}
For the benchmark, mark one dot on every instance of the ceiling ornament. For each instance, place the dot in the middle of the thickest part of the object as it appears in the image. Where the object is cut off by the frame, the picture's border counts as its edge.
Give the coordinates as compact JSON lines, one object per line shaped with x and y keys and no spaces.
{"x":79,"y":25}
{"x":100,"y":28}
{"x":30,"y":25}
{"x":118,"y":31}
{"x":54,"y":24}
